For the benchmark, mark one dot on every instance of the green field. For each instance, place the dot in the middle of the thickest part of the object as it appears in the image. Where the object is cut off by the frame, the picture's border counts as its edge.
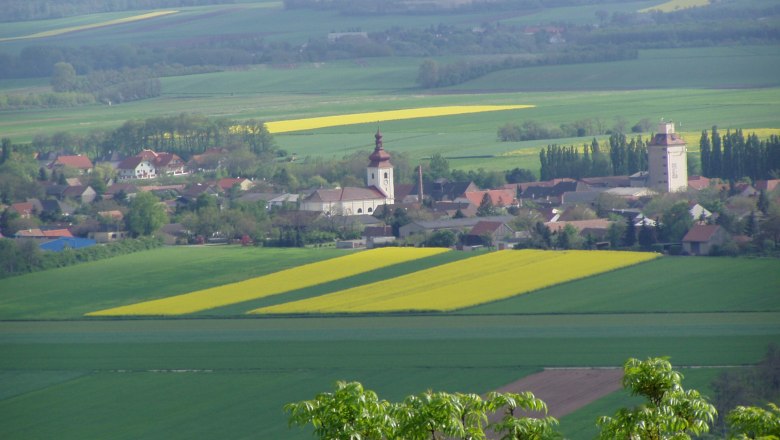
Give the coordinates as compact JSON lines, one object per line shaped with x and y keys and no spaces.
{"x":151,"y":378}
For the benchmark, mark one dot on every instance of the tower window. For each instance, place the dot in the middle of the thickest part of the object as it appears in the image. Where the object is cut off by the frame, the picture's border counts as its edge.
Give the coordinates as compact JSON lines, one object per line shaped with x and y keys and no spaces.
{"x":385,"y":174}
{"x":372,"y":175}
{"x":360,"y":210}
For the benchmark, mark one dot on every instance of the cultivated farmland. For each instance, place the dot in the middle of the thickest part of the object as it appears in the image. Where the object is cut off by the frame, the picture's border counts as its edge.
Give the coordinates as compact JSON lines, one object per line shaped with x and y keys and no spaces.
{"x":228,"y":378}
{"x":465,"y":283}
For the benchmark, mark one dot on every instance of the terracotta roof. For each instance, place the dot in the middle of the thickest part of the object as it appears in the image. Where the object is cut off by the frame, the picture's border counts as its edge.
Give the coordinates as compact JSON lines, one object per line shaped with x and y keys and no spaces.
{"x":23,"y":208}
{"x":79,"y":161}
{"x":666,"y":139}
{"x":38,"y":233}
{"x":701,"y":233}
{"x":113,"y":214}
{"x":499,"y":197}
{"x":228,"y":182}
{"x":698,"y":182}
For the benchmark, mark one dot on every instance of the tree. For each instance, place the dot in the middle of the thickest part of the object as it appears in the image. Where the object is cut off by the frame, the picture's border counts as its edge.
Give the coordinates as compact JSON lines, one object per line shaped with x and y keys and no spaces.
{"x":145,"y":215}
{"x":671,"y":412}
{"x":63,"y":78}
{"x":513,"y":427}
{"x":630,"y":238}
{"x":442,"y":238}
{"x":676,"y":222}
{"x":486,"y":208}
{"x":646,"y":236}
{"x":750,"y":422}
{"x":428,"y":74}
{"x":520,"y":175}
{"x":350,"y":412}
{"x":438,"y":167}
{"x":568,"y":238}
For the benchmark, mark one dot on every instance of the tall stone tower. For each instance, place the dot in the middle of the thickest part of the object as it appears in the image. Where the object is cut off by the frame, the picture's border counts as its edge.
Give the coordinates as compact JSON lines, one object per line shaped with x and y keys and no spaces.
{"x":667,"y":160}
{"x":379,"y":173}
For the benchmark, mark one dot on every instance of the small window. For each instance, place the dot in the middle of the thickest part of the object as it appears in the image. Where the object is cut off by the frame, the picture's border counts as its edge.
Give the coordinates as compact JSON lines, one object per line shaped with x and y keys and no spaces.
{"x":372,"y":175}
{"x":360,"y":210}
{"x":385,"y":174}
{"x":370,"y":209}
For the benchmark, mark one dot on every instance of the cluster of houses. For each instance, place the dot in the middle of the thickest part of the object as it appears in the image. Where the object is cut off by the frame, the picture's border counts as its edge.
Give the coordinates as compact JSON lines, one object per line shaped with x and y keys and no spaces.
{"x":476,"y":215}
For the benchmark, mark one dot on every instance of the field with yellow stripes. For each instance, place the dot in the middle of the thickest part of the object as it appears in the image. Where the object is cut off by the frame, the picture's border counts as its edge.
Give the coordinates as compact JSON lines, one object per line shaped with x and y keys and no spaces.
{"x":65,"y":30}
{"x":390,"y":115}
{"x":465,"y":283}
{"x":675,"y":5}
{"x":275,"y":283}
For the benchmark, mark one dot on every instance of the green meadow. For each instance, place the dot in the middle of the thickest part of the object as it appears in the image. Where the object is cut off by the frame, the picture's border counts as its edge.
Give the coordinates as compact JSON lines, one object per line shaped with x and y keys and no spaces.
{"x":161,"y":378}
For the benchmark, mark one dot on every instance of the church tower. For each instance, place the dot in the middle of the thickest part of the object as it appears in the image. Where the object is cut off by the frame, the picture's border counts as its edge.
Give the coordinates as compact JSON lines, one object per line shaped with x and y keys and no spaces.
{"x":667,"y":160}
{"x":379,"y":173}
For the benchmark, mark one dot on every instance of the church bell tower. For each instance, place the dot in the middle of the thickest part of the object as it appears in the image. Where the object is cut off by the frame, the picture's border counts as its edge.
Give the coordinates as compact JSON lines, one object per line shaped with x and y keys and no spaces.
{"x":667,"y":160}
{"x":379,"y":173}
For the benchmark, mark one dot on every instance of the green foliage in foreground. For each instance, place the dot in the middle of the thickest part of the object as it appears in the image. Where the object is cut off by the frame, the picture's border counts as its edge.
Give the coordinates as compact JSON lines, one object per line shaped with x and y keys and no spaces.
{"x":755,"y":423}
{"x":671,"y":412}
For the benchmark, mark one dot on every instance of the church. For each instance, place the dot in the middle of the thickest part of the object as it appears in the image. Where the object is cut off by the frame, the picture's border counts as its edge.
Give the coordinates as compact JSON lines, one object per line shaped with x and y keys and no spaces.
{"x":379,"y":189}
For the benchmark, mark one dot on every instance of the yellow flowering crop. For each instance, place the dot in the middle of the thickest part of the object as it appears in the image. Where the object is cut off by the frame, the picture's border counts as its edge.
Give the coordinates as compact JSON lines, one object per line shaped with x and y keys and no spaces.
{"x":674,"y":5}
{"x":55,"y":32}
{"x":391,"y":115}
{"x":272,"y":284}
{"x":468,"y":282}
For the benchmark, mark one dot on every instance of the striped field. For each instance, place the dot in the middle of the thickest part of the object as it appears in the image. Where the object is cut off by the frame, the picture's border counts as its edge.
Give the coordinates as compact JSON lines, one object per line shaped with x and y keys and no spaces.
{"x":465,"y":283}
{"x":390,"y":115}
{"x":61,"y":31}
{"x":275,"y":283}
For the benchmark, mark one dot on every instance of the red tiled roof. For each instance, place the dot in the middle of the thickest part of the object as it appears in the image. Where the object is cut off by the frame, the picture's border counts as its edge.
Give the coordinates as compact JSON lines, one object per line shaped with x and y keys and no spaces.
{"x":698,"y":182}
{"x":52,"y":233}
{"x":80,"y":162}
{"x":485,"y":227}
{"x":130,"y":163}
{"x":767,"y":185}
{"x":498,"y":197}
{"x":23,"y":208}
{"x":701,"y":233}
{"x":228,"y":182}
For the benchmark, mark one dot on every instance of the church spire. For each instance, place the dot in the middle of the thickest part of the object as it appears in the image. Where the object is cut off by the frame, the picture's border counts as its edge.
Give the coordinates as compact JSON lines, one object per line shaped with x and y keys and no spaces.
{"x":379,"y":158}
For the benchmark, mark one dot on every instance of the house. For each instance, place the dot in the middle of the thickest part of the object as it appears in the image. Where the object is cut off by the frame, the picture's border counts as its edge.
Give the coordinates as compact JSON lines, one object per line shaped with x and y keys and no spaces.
{"x":495,"y":230}
{"x":451,"y":224}
{"x":549,"y":191}
{"x":149,"y":164}
{"x":108,"y":234}
{"x":701,"y":239}
{"x":27,"y":209}
{"x":127,"y":189}
{"x":54,"y":208}
{"x":79,"y":162}
{"x":438,"y":191}
{"x":698,"y":183}
{"x":698,"y":212}
{"x":227,"y":183}
{"x":379,"y":189}
{"x":44,"y":234}
{"x":81,"y":193}
{"x":498,"y":197}
{"x":597,"y":227}
{"x":767,"y":185}
{"x":192,"y":192}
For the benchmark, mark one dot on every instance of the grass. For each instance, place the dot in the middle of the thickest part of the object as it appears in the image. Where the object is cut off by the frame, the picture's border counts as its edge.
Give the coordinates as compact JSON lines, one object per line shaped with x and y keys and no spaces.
{"x":60,"y":293}
{"x":228,"y":378}
{"x":83,"y":27}
{"x":687,"y":285}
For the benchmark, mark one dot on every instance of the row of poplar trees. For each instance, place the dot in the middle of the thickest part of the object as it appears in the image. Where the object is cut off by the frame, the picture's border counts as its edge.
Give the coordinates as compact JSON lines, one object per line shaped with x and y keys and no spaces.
{"x":733,"y":156}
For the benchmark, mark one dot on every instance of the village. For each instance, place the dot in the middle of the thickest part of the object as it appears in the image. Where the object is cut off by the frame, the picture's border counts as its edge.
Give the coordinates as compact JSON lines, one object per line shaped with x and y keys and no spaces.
{"x":662,"y":209}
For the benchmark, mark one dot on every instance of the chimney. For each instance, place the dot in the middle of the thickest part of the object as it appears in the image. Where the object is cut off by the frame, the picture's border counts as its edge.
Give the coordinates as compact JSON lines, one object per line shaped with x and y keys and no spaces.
{"x":419,"y":182}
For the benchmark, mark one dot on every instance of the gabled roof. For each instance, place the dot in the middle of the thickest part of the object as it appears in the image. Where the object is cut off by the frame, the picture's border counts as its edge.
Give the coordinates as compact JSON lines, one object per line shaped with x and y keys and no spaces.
{"x":130,"y":163}
{"x":24,"y":208}
{"x":79,"y":162}
{"x":346,"y":194}
{"x":498,"y":197}
{"x":76,"y":191}
{"x":698,"y":182}
{"x":486,"y":227}
{"x":701,"y":233}
{"x":228,"y":182}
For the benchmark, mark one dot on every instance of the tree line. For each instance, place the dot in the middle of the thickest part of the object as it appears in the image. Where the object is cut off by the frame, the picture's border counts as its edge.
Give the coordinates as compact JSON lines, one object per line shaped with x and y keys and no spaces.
{"x":732,"y":156}
{"x":623,"y":158}
{"x":432,"y":74}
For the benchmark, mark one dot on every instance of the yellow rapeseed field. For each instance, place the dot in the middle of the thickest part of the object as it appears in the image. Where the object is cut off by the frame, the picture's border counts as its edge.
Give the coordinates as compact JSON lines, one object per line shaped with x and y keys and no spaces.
{"x":391,"y":115}
{"x":674,"y":5}
{"x":272,"y":284}
{"x":55,"y":32}
{"x":468,"y":282}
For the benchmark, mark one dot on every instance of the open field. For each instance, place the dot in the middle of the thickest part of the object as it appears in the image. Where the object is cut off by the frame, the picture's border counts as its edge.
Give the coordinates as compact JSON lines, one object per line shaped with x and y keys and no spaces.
{"x":460,"y":284}
{"x":83,"y":27}
{"x":237,"y":373}
{"x":294,"y":278}
{"x":675,"y":5}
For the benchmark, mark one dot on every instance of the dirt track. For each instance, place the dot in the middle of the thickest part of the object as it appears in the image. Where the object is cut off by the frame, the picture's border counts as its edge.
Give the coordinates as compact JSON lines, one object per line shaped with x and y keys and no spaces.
{"x":566,"y":390}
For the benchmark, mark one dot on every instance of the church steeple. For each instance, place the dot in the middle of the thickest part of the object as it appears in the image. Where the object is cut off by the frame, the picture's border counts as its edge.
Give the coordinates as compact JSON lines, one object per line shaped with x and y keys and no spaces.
{"x":379,"y":173}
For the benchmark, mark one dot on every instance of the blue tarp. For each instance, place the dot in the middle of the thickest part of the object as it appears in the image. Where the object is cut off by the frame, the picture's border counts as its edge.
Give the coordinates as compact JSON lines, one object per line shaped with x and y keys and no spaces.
{"x":67,"y":242}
